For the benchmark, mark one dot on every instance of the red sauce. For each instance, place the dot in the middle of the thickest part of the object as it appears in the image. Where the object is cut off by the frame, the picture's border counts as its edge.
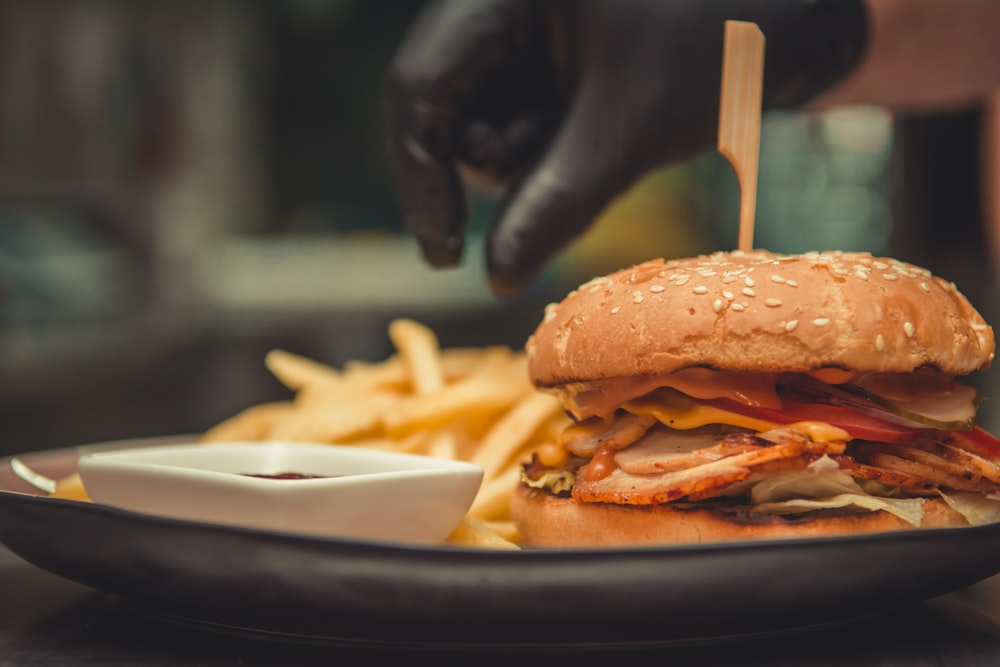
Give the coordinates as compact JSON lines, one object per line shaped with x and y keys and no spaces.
{"x":285,"y":475}
{"x":601,"y":465}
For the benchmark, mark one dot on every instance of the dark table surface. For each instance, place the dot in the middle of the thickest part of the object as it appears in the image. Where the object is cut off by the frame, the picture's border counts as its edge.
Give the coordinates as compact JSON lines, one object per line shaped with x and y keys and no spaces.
{"x":46,"y":620}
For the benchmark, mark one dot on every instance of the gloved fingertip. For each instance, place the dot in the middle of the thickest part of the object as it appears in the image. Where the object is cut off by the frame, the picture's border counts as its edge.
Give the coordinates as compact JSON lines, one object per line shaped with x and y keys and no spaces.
{"x":509,"y":275}
{"x":442,"y":253}
{"x":506,"y":287}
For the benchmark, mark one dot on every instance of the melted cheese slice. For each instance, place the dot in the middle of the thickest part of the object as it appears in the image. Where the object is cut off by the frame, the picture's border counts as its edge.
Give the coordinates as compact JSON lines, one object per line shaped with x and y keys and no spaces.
{"x":674,"y":409}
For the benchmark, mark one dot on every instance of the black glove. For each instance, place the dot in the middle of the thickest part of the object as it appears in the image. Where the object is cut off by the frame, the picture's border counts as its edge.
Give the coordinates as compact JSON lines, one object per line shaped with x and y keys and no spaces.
{"x":568,"y":102}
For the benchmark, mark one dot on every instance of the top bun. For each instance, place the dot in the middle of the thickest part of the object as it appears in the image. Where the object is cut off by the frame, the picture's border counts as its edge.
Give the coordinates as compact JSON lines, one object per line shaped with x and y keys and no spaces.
{"x":760,"y":311}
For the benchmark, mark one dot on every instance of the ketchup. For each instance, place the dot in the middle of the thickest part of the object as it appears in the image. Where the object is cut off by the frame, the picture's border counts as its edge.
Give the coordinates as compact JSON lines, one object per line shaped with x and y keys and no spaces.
{"x":285,"y":475}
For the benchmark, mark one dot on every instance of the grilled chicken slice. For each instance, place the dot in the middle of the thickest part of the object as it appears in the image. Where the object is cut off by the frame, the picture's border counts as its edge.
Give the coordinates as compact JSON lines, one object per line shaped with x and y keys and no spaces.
{"x":643,"y":489}
{"x":666,"y":450}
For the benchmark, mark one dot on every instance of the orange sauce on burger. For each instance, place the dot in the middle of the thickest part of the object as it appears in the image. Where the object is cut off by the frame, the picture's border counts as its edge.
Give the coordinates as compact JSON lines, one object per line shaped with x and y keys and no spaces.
{"x":601,"y":465}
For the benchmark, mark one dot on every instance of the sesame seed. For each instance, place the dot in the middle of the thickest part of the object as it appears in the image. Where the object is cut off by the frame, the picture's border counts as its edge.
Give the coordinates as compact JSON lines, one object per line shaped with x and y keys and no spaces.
{"x":656,"y":288}
{"x":700,"y":289}
{"x":890,"y":276}
{"x":861,"y":275}
{"x":748,"y":292}
{"x":908,"y":329}
{"x":791,"y":324}
{"x":841,"y":271}
{"x":772,"y":303}
{"x":683,"y":279}
{"x":821,"y":321}
{"x":728,"y":279}
{"x":738,"y":307}
{"x":729,"y":295}
{"x":778,"y":279}
{"x":879,"y":343}
{"x":750,"y":282}
{"x":792,"y":283}
{"x":882,"y":266}
{"x":717,"y":305}
{"x":637,"y":297}
{"x":925,"y":287}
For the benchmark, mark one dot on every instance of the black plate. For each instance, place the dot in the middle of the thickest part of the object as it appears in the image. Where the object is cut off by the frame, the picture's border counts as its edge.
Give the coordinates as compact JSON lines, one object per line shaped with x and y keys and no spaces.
{"x":294,"y":587}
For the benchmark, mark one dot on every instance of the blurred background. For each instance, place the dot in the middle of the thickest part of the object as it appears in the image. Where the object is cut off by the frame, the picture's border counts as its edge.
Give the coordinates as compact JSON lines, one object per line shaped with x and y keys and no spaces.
{"x":186,"y":185}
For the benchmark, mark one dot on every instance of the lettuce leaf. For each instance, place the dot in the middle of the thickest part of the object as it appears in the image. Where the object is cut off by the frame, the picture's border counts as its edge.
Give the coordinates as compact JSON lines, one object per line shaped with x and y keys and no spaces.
{"x":977,"y":509}
{"x":910,"y":510}
{"x":821,"y":479}
{"x":823,"y":485}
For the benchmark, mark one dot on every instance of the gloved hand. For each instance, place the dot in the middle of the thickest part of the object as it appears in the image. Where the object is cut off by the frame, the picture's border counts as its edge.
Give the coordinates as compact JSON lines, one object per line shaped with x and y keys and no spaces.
{"x":567,"y":103}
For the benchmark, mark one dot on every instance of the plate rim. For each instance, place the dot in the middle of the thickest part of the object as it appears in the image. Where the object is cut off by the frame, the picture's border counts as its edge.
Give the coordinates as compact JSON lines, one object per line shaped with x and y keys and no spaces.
{"x":434,"y":559}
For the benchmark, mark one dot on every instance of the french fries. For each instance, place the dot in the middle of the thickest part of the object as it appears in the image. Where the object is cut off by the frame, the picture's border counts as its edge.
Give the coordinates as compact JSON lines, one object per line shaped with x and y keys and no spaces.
{"x":470,"y":404}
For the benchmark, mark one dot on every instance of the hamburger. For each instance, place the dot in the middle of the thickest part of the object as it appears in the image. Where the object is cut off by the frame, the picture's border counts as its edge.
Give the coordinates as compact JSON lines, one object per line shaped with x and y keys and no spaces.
{"x":744,"y":395}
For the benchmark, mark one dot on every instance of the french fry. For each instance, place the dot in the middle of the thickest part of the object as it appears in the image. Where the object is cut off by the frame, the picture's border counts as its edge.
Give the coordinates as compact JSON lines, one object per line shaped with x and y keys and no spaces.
{"x":413,"y":444}
{"x":253,"y":423}
{"x":335,"y":423}
{"x":460,"y":362}
{"x":505,"y":529}
{"x":418,"y":346}
{"x":71,"y":488}
{"x":433,"y":411}
{"x":514,"y":429}
{"x":493,"y":500}
{"x":475,"y":533}
{"x":443,"y":446}
{"x":393,"y":373}
{"x":491,"y":389}
{"x":296,"y":372}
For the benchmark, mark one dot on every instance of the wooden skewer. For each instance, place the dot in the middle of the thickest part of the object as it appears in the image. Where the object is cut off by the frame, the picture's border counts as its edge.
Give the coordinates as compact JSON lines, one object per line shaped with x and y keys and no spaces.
{"x":739,"y":114}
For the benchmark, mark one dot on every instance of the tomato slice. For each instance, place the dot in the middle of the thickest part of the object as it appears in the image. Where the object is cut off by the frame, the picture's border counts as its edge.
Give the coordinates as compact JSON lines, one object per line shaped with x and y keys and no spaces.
{"x":858,"y":424}
{"x":979,"y":441}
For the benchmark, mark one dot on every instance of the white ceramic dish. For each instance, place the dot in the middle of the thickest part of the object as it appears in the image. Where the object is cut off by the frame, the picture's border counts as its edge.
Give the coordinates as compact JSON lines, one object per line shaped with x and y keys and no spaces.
{"x":354,"y":493}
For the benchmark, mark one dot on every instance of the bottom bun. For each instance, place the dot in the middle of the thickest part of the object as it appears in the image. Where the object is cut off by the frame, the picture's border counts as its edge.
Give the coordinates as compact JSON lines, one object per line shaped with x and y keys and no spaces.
{"x":546,"y":520}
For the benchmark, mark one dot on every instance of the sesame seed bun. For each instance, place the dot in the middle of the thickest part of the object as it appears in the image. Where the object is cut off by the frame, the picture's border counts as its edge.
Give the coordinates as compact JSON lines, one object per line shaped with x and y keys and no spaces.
{"x":748,"y":311}
{"x":546,"y":520}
